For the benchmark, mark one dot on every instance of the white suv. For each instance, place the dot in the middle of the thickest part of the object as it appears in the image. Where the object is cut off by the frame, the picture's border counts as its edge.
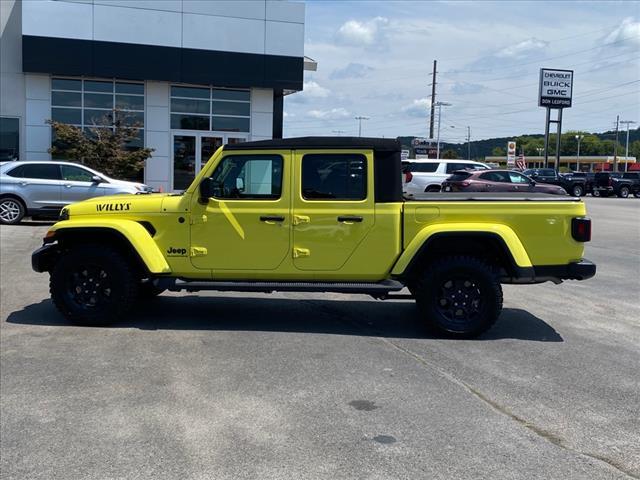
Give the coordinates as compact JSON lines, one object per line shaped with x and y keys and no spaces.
{"x":421,"y":176}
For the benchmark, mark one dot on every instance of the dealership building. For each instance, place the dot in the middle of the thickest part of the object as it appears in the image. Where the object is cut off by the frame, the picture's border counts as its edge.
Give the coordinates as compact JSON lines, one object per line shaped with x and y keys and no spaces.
{"x":192,"y":74}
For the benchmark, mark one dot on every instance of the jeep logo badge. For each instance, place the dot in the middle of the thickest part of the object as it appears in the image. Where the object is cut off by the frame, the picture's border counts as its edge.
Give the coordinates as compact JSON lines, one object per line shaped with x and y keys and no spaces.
{"x":176,"y":252}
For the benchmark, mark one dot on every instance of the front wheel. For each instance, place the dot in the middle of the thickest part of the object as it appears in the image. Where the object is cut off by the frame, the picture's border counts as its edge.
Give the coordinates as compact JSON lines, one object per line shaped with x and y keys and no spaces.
{"x":637,"y":194}
{"x":459,"y":297}
{"x":577,"y":191}
{"x":623,"y":192}
{"x":93,"y":285}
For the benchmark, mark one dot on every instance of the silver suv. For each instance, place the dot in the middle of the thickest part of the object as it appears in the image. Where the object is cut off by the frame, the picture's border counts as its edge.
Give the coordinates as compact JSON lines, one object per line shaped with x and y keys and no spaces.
{"x":42,"y":188}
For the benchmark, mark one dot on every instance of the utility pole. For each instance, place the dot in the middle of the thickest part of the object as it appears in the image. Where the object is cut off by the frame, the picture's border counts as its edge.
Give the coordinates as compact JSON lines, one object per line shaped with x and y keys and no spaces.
{"x":338,"y":132}
{"x":433,"y":98}
{"x":615,"y":145}
{"x":360,"y":118}
{"x":579,"y":139}
{"x":468,"y":143}
{"x":439,"y":105}
{"x":626,"y":150}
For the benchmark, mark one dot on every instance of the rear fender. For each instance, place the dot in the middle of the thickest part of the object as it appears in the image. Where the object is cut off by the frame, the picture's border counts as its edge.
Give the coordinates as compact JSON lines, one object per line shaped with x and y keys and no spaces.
{"x":422,"y":239}
{"x":133,"y":232}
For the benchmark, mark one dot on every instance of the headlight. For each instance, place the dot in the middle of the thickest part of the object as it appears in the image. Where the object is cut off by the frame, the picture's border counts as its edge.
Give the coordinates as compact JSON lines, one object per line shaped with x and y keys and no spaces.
{"x":64,"y":214}
{"x":144,"y":189}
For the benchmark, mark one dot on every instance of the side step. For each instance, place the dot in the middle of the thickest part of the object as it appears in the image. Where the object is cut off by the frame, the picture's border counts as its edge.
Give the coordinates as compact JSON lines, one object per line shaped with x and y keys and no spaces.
{"x":378,"y":289}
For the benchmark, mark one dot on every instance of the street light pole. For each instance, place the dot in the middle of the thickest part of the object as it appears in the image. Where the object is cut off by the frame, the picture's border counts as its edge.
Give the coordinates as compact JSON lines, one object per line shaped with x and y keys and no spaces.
{"x":540,"y":150}
{"x":360,"y":118}
{"x":579,"y":139}
{"x":439,"y":105}
{"x":626,"y":150}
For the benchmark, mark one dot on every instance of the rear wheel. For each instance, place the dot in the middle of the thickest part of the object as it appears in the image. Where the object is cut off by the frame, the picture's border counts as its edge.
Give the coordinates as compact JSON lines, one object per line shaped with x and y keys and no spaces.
{"x":93,"y":285}
{"x":459,"y":296}
{"x":596,"y":193}
{"x":623,"y":192}
{"x":11,"y":211}
{"x":577,"y":191}
{"x":637,"y":194}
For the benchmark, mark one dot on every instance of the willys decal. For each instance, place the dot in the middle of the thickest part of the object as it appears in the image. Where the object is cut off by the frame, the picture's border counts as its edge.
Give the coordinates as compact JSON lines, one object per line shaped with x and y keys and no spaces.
{"x":113,"y":207}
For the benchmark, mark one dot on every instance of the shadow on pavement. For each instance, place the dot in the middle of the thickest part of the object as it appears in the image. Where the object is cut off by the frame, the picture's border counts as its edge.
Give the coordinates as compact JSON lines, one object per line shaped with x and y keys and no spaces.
{"x":35,"y":223}
{"x":392,"y":319}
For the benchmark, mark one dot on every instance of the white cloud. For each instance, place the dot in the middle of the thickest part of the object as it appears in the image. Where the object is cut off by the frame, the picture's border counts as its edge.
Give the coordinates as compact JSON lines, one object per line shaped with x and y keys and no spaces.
{"x":332,"y":114}
{"x":627,"y":35}
{"x":523,"y":49}
{"x":464,"y":88}
{"x":314,"y":90}
{"x":362,"y":34}
{"x":418,"y":108}
{"x":353,"y":70}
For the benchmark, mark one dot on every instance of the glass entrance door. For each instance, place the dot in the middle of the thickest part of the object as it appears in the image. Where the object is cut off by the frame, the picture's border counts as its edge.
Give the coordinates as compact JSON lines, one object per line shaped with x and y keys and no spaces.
{"x":192,"y":150}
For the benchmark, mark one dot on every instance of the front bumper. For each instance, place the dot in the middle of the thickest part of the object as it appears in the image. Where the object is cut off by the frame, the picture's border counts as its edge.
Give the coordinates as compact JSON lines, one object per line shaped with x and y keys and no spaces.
{"x":42,"y":259}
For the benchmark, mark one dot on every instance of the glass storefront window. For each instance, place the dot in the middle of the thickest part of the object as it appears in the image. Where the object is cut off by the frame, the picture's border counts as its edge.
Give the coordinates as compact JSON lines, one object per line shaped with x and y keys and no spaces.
{"x":89,"y":103}
{"x":9,"y":139}
{"x":207,"y":108}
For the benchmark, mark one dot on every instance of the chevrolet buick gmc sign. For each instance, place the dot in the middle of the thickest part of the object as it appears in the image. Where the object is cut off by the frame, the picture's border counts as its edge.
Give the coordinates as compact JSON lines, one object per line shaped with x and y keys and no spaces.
{"x":556,"y":88}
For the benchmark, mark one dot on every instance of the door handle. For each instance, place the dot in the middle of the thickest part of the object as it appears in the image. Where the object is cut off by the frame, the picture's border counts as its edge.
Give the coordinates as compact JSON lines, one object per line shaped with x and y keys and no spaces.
{"x":271,"y":218}
{"x":350,"y":219}
{"x":24,"y":184}
{"x":67,"y":185}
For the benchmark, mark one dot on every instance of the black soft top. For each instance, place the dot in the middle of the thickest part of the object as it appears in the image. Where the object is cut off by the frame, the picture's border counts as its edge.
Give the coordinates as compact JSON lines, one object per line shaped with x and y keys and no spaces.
{"x":375,"y":144}
{"x":386,"y":157}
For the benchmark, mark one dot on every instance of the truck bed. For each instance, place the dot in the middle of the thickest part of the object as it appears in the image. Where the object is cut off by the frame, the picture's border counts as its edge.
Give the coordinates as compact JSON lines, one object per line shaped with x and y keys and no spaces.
{"x":489,"y":197}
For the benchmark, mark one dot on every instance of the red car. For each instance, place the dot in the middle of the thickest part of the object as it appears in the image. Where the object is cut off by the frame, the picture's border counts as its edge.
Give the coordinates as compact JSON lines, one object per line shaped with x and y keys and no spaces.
{"x":496,"y":181}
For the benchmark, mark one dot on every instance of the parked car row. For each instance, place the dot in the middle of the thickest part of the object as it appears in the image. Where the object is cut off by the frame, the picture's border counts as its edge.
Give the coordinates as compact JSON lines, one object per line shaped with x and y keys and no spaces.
{"x":41,"y":189}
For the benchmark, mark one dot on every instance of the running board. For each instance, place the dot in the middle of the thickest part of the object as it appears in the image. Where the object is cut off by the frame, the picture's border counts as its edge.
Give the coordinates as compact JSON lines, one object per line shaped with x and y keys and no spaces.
{"x":378,"y":289}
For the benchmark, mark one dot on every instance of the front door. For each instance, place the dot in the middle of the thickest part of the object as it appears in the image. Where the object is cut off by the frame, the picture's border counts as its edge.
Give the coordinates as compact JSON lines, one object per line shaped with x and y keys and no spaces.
{"x":333,"y":208}
{"x":245,"y":226}
{"x":192,"y":151}
{"x":78,"y":184}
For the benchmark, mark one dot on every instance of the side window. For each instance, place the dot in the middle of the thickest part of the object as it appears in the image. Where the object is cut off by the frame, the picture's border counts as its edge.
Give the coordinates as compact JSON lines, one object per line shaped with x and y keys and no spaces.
{"x":517,"y":178}
{"x":17,"y":172}
{"x":495,"y":177}
{"x":247,"y":177}
{"x":424,"y":167}
{"x":452,"y":167}
{"x":75,"y":174}
{"x":479,"y":166}
{"x":335,"y":176}
{"x":42,"y":171}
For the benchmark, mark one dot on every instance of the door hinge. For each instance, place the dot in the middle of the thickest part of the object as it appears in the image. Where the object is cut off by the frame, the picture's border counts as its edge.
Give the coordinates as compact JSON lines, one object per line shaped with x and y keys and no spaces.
{"x":298,"y":219}
{"x":198,"y":251}
{"x":195,"y":219}
{"x":301,"y":252}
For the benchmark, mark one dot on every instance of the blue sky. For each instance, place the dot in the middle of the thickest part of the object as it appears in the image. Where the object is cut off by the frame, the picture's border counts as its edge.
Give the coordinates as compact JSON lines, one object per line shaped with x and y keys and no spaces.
{"x":375,"y":59}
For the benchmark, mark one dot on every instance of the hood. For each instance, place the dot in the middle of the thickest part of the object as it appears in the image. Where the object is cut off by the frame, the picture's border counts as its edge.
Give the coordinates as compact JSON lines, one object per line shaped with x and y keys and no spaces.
{"x":117,"y":205}
{"x":134,"y":186}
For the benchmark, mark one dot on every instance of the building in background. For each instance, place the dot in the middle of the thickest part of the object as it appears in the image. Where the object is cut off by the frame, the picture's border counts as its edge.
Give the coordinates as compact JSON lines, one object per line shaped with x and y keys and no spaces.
{"x":195,"y":74}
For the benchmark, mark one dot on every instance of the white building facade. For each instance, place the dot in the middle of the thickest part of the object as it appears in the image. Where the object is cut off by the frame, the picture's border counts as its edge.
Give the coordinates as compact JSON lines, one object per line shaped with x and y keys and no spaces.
{"x":193,"y":74}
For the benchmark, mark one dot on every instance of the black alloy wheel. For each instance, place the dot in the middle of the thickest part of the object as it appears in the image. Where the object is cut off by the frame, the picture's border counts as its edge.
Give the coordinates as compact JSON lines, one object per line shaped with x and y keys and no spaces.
{"x":93,"y":285}
{"x":459,"y":296}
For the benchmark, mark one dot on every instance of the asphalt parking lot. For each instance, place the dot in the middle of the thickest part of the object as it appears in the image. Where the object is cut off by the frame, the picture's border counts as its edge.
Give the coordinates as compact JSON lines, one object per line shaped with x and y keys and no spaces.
{"x":297,"y":386}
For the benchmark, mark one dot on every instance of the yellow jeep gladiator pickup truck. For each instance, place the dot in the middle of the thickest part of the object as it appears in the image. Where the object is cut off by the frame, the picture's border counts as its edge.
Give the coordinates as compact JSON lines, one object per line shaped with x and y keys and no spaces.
{"x":313,"y":214}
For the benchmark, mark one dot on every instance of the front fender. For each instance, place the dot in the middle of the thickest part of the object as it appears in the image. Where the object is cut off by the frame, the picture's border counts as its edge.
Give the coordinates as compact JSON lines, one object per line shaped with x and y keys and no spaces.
{"x":504,"y":232}
{"x":137,"y":236}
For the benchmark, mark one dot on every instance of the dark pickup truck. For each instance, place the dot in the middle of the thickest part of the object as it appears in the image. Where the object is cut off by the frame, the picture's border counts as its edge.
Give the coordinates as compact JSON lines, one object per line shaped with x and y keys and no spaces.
{"x":575,"y":186}
{"x":620,"y":184}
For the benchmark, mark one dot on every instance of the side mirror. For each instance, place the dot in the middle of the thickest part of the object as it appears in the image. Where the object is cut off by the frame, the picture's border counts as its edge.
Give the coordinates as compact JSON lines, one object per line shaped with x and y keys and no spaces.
{"x":96,"y":179}
{"x":206,"y":189}
{"x":532,"y":182}
{"x":240,"y":184}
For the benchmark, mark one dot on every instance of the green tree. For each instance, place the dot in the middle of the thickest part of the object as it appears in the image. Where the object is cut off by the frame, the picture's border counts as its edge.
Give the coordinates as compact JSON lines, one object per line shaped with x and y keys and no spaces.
{"x":450,"y":154}
{"x":498,"y":152}
{"x":108,"y":150}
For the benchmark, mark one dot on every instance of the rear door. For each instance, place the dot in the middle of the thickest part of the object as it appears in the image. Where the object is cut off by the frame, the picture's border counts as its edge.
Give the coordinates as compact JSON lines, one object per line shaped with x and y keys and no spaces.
{"x":333,"y":207}
{"x":39,"y":184}
{"x":77,"y":184}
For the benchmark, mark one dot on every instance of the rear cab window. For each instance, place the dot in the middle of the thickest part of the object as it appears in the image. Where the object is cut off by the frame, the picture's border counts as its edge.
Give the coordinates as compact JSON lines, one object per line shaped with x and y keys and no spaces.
{"x":340,"y":176}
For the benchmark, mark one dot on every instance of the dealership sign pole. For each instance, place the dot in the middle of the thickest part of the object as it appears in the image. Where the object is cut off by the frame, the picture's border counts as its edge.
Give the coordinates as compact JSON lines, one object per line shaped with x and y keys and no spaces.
{"x":556,"y":91}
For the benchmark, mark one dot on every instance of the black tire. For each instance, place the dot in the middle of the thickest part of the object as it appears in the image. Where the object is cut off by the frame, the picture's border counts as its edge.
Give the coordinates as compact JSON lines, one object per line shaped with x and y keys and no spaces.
{"x":478,"y":289}
{"x":93,"y":285}
{"x":595,"y":193}
{"x":148,"y":290}
{"x":12,"y":211}
{"x":636,"y":194}
{"x":623,"y":192}
{"x":577,"y":191}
